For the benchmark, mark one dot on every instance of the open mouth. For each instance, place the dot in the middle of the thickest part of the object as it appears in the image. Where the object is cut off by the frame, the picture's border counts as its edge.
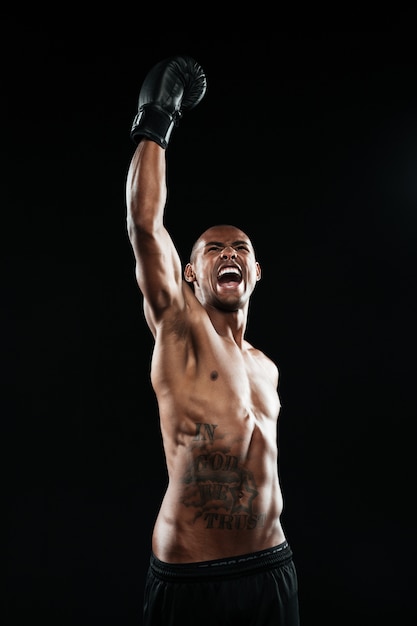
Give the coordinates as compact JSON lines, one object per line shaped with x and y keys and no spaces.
{"x":229,"y":275}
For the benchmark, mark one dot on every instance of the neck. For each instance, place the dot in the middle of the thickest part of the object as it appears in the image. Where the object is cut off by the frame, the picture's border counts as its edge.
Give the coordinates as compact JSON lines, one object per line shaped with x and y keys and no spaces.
{"x":231,"y":324}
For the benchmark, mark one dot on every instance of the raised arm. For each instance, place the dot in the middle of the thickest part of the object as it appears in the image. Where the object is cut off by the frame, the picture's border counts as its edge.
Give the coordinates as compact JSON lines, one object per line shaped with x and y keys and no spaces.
{"x":158,"y":267}
{"x":171,"y":87}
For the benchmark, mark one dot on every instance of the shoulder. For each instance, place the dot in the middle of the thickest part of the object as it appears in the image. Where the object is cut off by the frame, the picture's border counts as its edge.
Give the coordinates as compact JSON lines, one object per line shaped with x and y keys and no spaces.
{"x":265,"y":361}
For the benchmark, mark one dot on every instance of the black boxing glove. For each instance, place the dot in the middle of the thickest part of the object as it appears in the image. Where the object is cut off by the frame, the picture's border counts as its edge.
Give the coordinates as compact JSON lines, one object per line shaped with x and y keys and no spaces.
{"x":171,"y":87}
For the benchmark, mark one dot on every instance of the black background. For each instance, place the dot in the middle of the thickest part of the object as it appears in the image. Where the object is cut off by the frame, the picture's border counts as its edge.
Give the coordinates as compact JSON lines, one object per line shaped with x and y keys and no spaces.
{"x":309,"y":143}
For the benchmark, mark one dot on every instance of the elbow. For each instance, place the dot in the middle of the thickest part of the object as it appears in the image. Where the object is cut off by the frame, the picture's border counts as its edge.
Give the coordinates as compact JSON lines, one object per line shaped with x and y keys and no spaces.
{"x":132,"y":229}
{"x":142,"y":234}
{"x":140,"y":224}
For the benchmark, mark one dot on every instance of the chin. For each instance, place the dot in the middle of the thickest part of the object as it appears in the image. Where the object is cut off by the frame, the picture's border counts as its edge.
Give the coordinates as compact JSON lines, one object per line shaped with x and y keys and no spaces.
{"x":229,"y":306}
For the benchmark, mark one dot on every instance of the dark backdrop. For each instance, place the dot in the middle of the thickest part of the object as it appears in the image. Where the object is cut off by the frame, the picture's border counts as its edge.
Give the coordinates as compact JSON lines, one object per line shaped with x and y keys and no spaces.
{"x":309,"y":143}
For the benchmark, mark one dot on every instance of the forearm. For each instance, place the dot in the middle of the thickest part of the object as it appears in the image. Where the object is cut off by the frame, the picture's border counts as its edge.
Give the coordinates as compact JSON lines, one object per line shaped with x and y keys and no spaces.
{"x":146,"y":190}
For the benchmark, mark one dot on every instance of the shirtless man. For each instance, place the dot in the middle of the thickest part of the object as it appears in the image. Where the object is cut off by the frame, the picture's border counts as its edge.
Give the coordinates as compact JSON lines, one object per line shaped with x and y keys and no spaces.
{"x":219,"y":553}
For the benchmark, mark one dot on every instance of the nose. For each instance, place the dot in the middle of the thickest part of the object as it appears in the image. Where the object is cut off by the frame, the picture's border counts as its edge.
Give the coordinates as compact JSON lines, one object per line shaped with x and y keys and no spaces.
{"x":228,"y":253}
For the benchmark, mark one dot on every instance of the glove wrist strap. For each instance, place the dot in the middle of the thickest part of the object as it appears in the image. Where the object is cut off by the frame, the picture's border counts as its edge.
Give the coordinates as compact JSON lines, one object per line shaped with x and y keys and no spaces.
{"x":153,"y":123}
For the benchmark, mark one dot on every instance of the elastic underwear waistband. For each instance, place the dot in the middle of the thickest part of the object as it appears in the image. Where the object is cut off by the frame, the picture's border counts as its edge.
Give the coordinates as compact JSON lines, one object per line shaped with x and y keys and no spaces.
{"x":228,"y":567}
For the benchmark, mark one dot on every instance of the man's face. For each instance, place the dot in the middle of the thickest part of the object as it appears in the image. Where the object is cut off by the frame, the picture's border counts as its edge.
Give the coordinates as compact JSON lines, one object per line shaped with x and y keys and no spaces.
{"x":223,"y":268}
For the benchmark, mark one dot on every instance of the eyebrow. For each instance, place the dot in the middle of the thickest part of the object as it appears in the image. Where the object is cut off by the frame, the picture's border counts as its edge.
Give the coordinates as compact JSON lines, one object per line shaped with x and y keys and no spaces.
{"x":222,"y":244}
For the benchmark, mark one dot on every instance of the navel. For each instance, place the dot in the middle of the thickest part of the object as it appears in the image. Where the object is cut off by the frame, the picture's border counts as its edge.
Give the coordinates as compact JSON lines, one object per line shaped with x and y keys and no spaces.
{"x":214,"y":375}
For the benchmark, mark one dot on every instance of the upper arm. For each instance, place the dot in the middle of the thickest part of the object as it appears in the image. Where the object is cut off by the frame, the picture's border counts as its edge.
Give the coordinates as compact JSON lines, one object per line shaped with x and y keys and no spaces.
{"x":158,"y":272}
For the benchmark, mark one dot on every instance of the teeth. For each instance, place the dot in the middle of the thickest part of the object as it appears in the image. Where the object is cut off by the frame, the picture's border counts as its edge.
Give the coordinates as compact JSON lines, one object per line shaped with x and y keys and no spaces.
{"x":229,"y":270}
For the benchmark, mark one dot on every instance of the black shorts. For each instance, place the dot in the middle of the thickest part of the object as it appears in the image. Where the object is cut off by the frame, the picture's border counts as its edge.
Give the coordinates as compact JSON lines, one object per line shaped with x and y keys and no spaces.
{"x":257,"y":589}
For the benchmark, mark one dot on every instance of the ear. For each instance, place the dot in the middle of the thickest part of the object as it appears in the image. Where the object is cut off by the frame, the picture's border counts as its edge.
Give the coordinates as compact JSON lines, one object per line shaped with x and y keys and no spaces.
{"x":258,"y":271}
{"x":189,"y":273}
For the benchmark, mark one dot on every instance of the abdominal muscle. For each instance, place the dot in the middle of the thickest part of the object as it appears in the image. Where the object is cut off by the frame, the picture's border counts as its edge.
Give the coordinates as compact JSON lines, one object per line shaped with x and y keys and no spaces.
{"x":223,"y":496}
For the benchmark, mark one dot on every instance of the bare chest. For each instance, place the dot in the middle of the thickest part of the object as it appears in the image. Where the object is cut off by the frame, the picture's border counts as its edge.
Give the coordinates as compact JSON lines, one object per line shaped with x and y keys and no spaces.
{"x":218,"y":378}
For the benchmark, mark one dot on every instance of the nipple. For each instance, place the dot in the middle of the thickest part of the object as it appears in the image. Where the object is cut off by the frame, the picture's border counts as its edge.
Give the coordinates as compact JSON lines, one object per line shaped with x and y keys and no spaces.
{"x":214,"y":375}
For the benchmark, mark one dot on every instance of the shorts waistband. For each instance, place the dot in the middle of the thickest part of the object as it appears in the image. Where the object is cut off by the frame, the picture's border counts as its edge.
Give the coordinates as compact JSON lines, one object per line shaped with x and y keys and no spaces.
{"x":223,"y":568}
